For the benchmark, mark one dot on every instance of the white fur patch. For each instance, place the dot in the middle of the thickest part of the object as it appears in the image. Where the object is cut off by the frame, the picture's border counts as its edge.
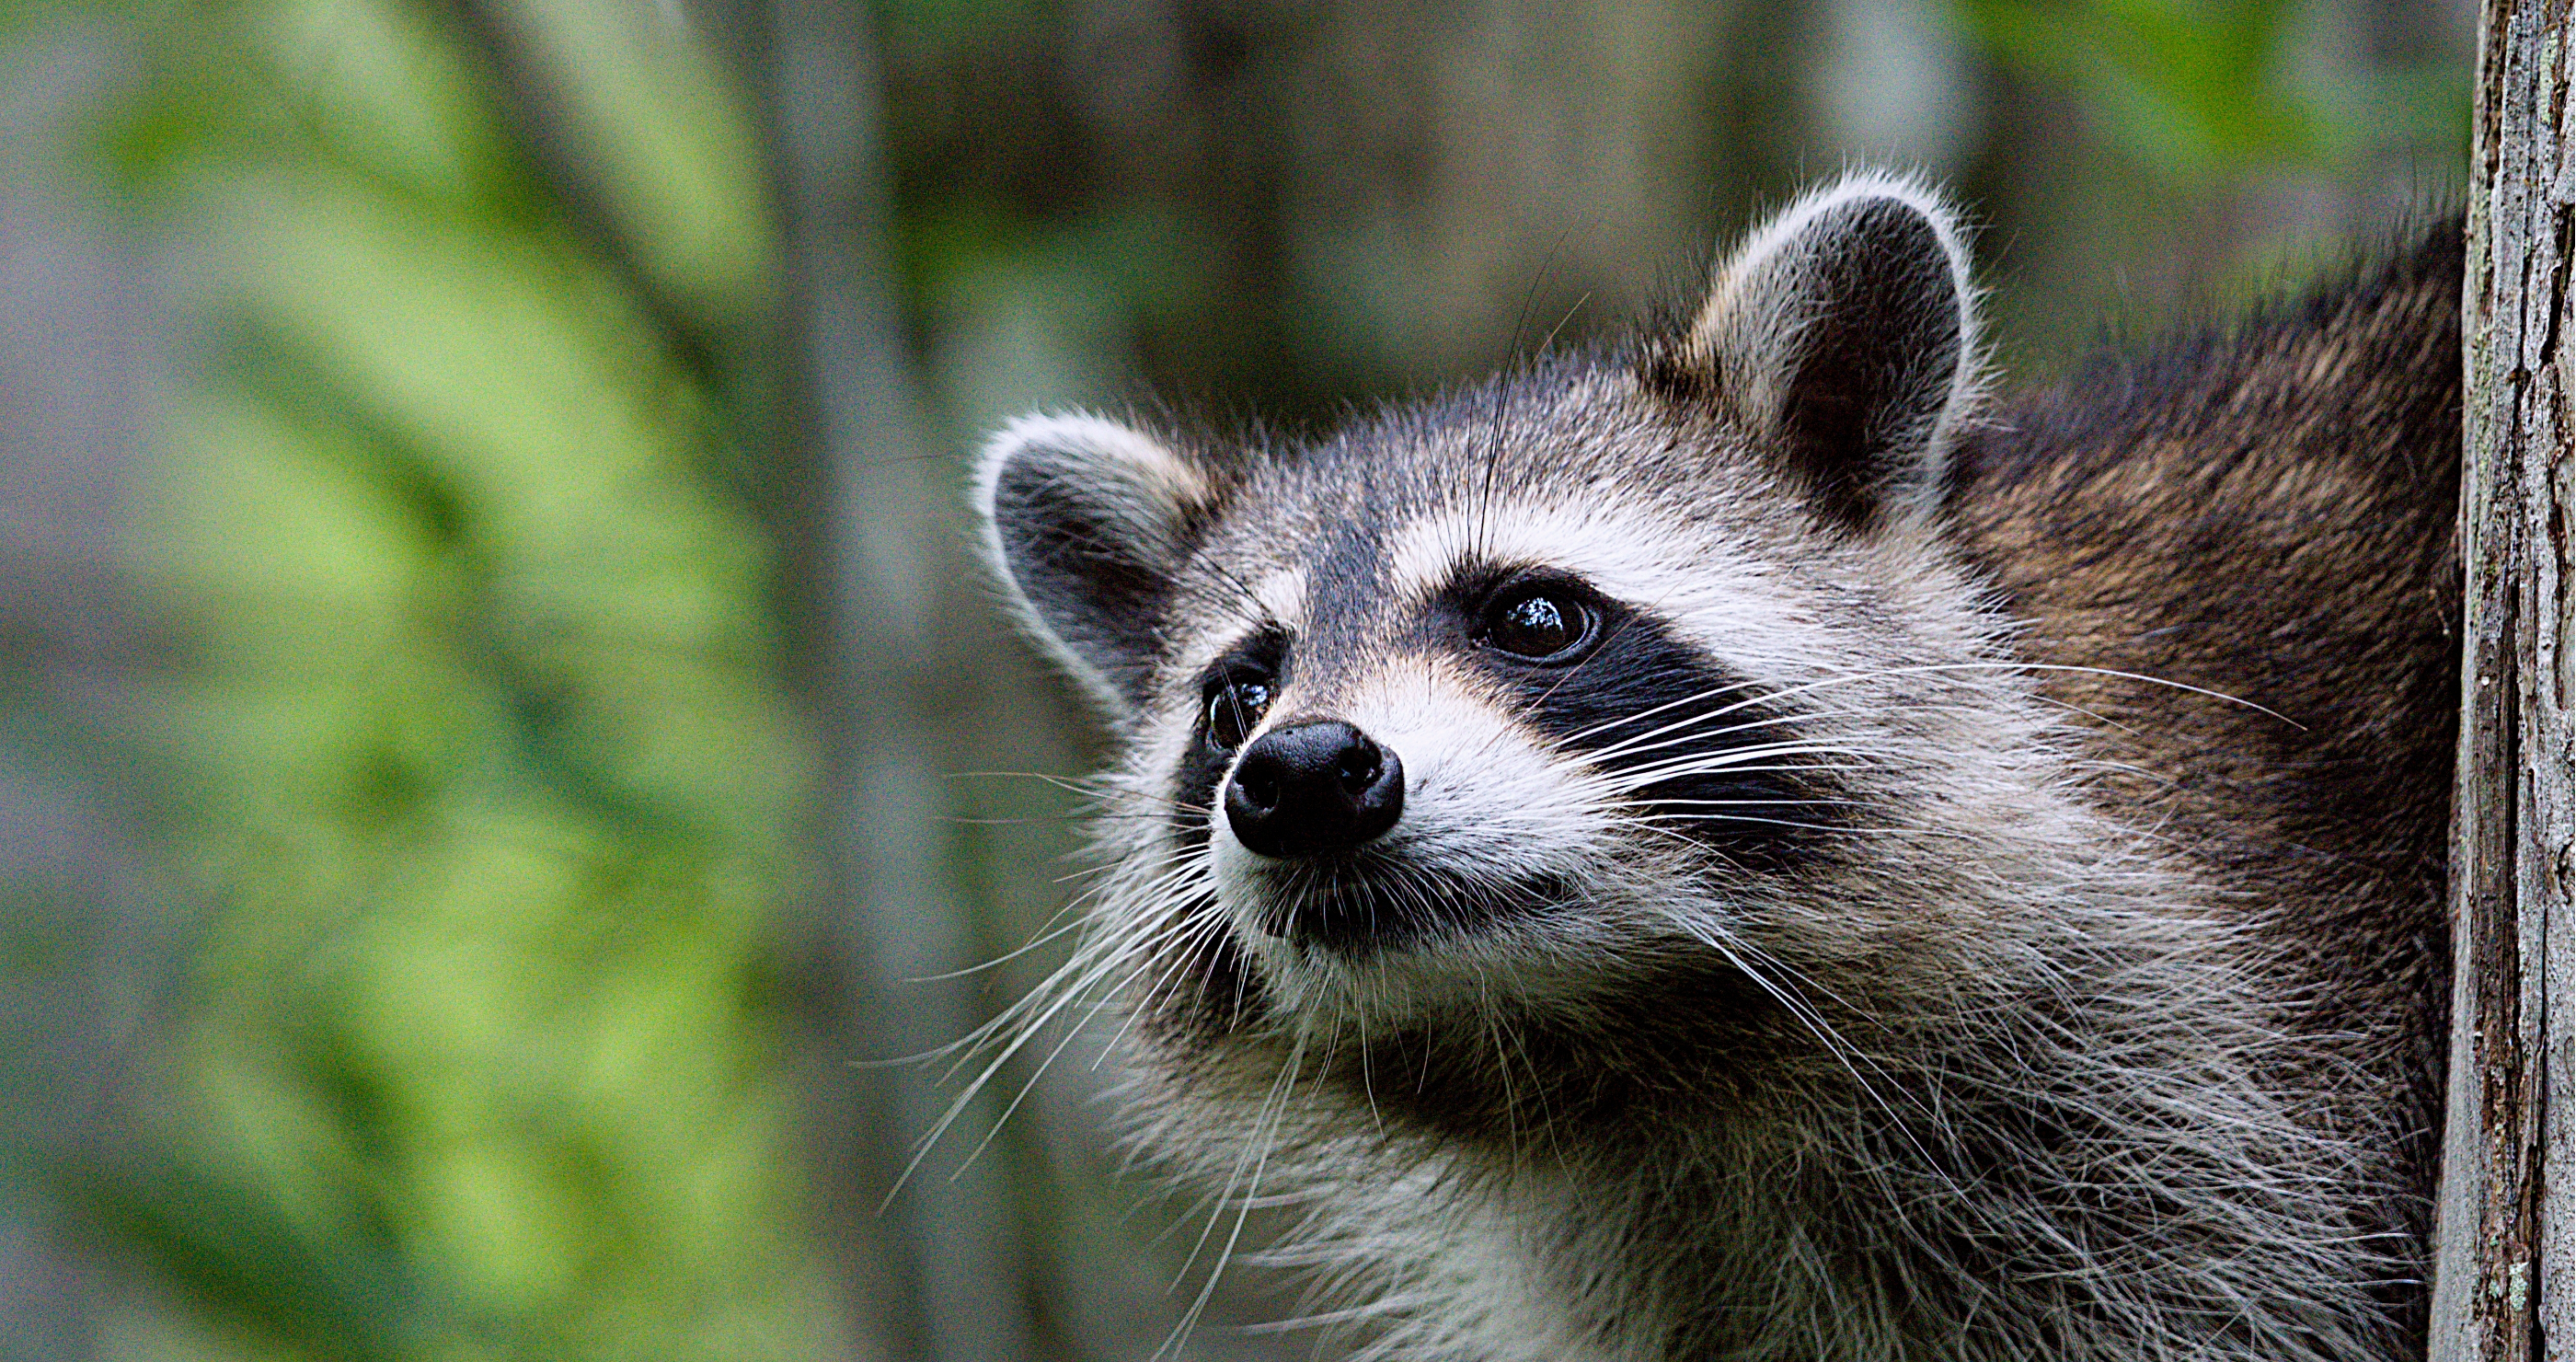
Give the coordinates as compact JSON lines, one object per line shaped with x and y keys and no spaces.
{"x":1282,"y":596}
{"x":1278,"y":601}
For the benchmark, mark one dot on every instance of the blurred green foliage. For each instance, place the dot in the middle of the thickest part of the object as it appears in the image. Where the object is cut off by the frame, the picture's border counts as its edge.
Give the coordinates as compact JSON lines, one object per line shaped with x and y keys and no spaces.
{"x":2196,"y":90}
{"x":487,"y":776}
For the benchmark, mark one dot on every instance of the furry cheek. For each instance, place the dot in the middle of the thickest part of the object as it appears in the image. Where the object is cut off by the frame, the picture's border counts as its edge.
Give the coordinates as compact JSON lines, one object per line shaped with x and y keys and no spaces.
{"x":1487,"y":804}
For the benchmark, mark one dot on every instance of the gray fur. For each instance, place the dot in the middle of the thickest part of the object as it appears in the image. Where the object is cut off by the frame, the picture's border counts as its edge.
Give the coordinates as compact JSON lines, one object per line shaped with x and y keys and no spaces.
{"x":2022,"y":1040}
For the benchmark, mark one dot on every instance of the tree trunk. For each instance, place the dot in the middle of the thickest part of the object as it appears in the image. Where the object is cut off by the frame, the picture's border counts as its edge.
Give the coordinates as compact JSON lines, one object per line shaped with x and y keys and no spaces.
{"x":2504,"y":1279}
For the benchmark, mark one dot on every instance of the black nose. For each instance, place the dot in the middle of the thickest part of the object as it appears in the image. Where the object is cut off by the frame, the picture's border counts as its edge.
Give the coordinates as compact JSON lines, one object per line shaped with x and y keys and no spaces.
{"x":1313,"y":788}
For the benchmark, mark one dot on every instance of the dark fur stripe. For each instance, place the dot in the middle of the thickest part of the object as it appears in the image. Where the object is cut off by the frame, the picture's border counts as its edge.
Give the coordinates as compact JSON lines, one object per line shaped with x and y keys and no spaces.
{"x":1645,"y":699}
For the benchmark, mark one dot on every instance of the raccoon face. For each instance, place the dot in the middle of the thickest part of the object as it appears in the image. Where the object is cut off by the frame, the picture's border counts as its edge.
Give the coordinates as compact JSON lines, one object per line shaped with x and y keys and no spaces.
{"x":1634,"y":662}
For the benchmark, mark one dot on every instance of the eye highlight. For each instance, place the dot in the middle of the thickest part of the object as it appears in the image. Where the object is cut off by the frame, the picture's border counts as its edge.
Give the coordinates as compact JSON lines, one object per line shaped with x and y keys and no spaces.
{"x":1550,"y":622}
{"x":1234,"y":705}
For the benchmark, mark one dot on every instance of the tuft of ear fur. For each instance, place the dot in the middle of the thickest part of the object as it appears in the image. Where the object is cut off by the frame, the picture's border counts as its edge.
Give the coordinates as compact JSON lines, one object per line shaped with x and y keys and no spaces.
{"x":1087,"y":520}
{"x":1844,"y":334}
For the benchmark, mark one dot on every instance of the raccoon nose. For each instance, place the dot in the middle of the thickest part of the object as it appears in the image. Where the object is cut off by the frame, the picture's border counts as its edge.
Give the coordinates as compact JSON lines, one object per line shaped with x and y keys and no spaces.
{"x":1313,"y":788}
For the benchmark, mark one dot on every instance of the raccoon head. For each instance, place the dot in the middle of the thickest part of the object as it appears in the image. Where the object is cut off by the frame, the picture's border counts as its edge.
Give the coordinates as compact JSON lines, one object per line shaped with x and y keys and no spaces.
{"x":1639,"y":674}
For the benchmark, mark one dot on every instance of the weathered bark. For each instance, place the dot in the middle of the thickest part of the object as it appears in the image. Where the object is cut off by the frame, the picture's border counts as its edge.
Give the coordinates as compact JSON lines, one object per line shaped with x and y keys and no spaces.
{"x":2504,"y":1281}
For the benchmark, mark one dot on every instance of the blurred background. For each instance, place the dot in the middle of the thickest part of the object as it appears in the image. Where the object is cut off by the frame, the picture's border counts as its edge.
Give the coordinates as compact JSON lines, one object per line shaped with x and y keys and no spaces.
{"x":500,"y":733}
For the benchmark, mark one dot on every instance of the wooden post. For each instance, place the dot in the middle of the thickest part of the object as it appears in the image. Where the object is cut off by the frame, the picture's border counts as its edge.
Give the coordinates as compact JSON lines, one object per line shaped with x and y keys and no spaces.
{"x":2504,"y":1276}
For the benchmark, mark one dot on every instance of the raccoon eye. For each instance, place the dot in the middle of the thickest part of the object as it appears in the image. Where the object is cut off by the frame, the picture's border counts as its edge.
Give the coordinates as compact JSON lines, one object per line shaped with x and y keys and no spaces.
{"x":1545,"y":623}
{"x":1233,"y":708}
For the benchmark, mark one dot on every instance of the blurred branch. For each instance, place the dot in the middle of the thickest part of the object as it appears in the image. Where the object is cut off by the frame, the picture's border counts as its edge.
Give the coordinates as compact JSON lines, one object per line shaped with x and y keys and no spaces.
{"x":960,"y":1291}
{"x":534,"y":104}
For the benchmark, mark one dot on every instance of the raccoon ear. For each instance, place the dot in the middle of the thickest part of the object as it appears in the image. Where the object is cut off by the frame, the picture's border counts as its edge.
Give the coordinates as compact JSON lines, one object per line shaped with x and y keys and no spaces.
{"x":1087,"y":521}
{"x":1844,"y":332}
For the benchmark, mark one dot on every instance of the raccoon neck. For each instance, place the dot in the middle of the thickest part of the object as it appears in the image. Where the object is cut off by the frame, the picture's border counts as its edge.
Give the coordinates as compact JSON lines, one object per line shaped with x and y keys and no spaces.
{"x":2078,"y":1158}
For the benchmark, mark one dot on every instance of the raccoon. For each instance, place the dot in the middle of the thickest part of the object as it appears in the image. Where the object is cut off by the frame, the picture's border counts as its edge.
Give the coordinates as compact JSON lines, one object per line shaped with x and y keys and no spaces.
{"x":1735,"y":843}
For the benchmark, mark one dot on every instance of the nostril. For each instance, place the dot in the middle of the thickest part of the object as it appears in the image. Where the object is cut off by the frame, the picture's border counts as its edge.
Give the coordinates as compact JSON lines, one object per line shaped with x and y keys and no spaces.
{"x":1259,"y":783}
{"x":1359,"y":768}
